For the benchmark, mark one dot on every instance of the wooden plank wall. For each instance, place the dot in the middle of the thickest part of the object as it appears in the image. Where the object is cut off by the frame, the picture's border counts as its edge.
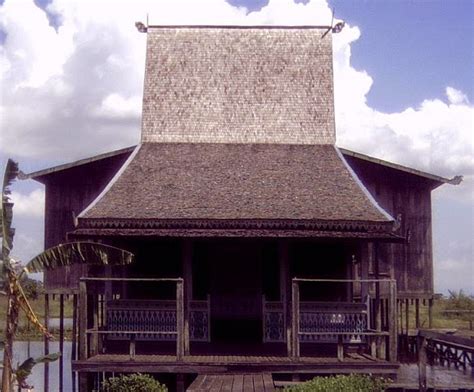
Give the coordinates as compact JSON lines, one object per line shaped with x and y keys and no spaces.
{"x":408,"y":196}
{"x":68,"y":192}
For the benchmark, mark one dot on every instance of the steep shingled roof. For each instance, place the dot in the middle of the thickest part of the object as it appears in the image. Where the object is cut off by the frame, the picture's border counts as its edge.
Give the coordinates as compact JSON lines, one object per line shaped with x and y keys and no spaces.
{"x":238,"y":85}
{"x":183,"y":181}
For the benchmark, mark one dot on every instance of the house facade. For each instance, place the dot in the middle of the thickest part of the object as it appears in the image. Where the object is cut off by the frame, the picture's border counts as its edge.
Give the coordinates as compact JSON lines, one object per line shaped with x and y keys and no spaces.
{"x":259,"y":244}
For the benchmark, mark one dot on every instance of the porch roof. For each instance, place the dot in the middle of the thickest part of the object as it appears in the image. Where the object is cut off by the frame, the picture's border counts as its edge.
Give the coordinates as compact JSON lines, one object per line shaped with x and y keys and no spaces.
{"x":181,"y":184}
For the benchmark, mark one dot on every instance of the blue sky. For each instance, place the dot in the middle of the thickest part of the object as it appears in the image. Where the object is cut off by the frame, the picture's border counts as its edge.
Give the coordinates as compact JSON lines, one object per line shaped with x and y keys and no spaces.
{"x":425,"y":43}
{"x":403,"y":83}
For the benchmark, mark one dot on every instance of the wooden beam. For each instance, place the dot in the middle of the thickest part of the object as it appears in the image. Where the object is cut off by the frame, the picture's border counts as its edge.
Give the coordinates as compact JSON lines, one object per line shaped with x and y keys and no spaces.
{"x":295,"y":320}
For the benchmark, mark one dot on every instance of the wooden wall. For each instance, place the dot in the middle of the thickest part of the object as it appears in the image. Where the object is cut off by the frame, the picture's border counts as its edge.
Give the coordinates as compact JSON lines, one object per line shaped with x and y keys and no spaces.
{"x":408,"y":196}
{"x":68,"y":192}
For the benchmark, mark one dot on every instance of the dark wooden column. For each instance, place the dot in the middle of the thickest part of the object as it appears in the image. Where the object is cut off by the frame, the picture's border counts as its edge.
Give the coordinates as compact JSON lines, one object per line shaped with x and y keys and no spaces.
{"x":285,"y":289}
{"x":188,"y":288}
{"x":74,"y":339}
{"x":61,"y":341}
{"x":392,"y":322}
{"x":377,"y":302}
{"x":46,"y":342}
{"x":179,"y":320}
{"x":83,"y":313}
{"x":295,"y":320}
{"x":430,"y":313}
{"x":364,"y":269}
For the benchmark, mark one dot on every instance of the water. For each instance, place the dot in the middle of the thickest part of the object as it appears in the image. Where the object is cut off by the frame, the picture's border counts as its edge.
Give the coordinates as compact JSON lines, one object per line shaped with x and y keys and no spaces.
{"x":24,"y":350}
{"x":407,"y":374}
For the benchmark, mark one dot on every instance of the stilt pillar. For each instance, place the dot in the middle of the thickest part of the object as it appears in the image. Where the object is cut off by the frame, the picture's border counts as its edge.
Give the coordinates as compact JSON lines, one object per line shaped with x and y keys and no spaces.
{"x":188,"y":290}
{"x":46,"y":342}
{"x":285,"y":291}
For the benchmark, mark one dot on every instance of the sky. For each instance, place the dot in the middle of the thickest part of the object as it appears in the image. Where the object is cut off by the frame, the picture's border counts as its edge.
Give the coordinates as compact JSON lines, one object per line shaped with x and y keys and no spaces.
{"x":71,"y":79}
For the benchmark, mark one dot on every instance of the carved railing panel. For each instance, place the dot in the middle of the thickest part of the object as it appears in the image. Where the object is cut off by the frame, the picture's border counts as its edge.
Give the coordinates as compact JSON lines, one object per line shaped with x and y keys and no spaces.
{"x":155,"y":316}
{"x":273,"y":321}
{"x":323,"y":317}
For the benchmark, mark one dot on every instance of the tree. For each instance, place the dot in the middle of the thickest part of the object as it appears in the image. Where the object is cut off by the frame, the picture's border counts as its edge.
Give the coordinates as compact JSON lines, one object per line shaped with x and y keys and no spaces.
{"x":11,"y":278}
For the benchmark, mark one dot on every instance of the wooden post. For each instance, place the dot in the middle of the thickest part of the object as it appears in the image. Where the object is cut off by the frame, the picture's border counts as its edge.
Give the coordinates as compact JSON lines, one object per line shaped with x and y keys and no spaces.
{"x":46,"y":342}
{"x":82,"y":320}
{"x":74,"y":339}
{"x":392,"y":322}
{"x":377,"y":315}
{"x":180,"y":382}
{"x":132,"y":349}
{"x":284,"y":291}
{"x":83,"y":350}
{"x":179,"y":320}
{"x":295,"y":320}
{"x":61,"y":341}
{"x":417,"y":313}
{"x":364,"y":271}
{"x":407,"y":316}
{"x":188,"y":290}
{"x":430,"y":313}
{"x":422,"y":359}
{"x":340,"y":348}
{"x":400,"y":316}
{"x":94,"y":338}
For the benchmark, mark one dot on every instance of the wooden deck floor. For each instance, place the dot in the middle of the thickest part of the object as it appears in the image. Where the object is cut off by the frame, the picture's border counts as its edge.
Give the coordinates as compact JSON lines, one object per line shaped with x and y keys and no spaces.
{"x":206,"y":364}
{"x":261,"y":382}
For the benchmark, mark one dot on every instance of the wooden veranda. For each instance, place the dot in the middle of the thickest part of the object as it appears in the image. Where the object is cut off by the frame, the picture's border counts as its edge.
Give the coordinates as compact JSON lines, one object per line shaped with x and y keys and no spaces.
{"x":172,"y":336}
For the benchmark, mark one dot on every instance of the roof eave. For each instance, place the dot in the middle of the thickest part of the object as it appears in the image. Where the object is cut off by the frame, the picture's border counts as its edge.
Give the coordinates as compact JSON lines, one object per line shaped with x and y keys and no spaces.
{"x":38,"y":175}
{"x":438,"y":180}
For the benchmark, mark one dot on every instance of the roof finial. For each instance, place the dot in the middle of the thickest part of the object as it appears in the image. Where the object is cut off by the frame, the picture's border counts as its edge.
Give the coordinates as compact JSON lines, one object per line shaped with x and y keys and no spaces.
{"x":141,"y":27}
{"x":337,"y":28}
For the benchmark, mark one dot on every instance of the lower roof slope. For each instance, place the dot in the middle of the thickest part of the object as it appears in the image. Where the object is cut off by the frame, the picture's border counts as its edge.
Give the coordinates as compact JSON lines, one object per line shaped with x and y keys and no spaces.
{"x":184,"y":182}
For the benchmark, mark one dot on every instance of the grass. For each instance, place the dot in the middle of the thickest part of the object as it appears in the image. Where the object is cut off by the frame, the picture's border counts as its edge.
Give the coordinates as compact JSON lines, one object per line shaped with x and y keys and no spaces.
{"x":27,"y":332}
{"x":440,"y":319}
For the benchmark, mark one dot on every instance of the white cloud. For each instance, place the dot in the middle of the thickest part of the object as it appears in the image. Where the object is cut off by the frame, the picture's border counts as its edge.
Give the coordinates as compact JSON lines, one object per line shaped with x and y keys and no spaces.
{"x":29,"y":205}
{"x":456,"y":97}
{"x":116,"y":106}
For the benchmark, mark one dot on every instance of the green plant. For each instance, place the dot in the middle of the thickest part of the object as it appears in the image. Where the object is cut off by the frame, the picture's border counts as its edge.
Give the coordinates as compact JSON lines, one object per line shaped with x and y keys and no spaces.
{"x":350,"y":383}
{"x":459,"y":301}
{"x":136,"y":382}
{"x":32,"y":288}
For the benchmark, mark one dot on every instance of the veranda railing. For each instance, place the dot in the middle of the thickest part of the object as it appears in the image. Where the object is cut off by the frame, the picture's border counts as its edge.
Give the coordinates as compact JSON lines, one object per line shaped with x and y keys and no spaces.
{"x":376,"y":332}
{"x":89,"y":337}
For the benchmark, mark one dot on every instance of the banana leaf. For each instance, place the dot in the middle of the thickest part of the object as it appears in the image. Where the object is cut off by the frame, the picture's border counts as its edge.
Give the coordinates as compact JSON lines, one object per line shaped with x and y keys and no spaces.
{"x":89,"y":253}
{"x":11,"y":172}
{"x":24,"y":370}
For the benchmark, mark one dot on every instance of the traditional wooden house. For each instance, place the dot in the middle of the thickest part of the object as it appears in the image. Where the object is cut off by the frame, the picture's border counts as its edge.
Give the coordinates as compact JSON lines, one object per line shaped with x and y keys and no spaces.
{"x":260,"y":246}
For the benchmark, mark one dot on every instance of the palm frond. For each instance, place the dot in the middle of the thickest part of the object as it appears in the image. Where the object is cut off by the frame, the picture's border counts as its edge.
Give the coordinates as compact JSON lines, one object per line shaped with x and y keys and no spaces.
{"x":70,"y":253}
